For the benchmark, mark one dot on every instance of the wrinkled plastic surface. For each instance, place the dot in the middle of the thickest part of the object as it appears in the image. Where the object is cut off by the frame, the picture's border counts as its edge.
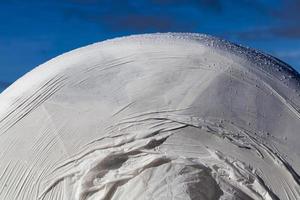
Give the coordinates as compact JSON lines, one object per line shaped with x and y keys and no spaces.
{"x":158,"y":116}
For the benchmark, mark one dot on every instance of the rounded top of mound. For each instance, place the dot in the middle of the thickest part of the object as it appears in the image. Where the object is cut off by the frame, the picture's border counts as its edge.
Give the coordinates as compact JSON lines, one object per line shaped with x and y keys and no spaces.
{"x":182,"y":42}
{"x":257,"y":58}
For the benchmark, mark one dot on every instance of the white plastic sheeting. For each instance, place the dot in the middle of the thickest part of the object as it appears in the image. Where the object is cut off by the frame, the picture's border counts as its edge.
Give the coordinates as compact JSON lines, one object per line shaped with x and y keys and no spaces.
{"x":157,"y":116}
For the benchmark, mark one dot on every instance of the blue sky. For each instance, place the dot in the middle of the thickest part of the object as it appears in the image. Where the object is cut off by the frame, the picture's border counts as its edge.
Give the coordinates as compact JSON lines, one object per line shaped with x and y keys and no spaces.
{"x":34,"y":31}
